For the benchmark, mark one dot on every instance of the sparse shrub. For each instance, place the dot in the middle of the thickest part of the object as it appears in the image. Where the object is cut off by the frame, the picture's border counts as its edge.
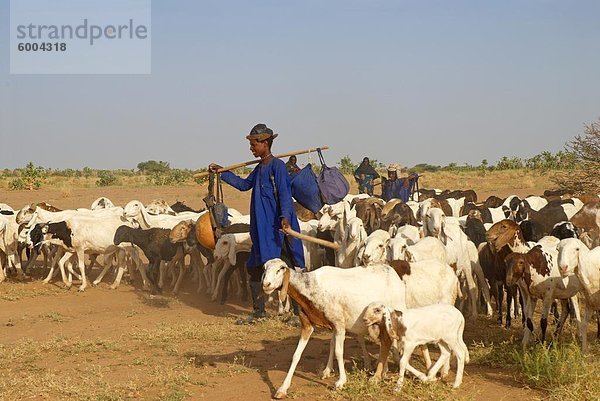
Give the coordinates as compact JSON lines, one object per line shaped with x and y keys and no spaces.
{"x":16,"y":184}
{"x":346,"y":165}
{"x":87,"y":172}
{"x":106,"y":178}
{"x":31,"y":177}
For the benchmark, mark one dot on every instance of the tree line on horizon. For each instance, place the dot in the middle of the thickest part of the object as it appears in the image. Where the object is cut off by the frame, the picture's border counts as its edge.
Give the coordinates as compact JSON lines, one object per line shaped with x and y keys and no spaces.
{"x":577,"y":168}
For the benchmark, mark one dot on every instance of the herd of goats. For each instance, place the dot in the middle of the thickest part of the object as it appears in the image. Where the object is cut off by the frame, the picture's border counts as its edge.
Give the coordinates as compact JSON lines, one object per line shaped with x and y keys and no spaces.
{"x":405,"y":274}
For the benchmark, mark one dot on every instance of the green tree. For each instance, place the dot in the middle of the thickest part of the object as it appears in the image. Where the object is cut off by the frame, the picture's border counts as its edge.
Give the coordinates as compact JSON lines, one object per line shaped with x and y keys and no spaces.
{"x":30,"y":178}
{"x":106,"y":178}
{"x":153,"y":166}
{"x":346,"y":165}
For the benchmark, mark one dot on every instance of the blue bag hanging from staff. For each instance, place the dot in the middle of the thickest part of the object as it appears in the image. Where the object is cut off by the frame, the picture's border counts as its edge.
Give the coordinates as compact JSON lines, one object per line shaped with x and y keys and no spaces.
{"x":306,"y":190}
{"x":332,"y":183}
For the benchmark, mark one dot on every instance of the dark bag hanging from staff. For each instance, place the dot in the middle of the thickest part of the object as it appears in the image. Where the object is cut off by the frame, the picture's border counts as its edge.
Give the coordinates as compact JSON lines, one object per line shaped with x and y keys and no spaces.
{"x":306,"y":190}
{"x":332,"y":183}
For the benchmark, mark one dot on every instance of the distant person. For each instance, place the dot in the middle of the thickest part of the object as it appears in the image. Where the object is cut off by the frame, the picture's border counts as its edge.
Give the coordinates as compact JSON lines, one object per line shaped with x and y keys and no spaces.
{"x":394,"y":187}
{"x":270,"y":211}
{"x":364,"y":176}
{"x":292,"y":167}
{"x":391,"y":186}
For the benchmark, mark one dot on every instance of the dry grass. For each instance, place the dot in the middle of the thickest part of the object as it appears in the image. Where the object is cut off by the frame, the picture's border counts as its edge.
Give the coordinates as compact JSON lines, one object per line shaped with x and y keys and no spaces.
{"x":497,"y":182}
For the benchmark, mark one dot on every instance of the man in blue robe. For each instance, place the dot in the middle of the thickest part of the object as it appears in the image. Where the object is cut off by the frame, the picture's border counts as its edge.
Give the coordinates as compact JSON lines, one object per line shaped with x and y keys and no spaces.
{"x":270,"y":211}
{"x":393,"y":187}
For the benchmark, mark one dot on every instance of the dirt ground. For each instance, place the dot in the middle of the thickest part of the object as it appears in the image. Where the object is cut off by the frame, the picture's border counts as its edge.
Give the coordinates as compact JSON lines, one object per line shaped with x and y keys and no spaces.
{"x":123,"y":344}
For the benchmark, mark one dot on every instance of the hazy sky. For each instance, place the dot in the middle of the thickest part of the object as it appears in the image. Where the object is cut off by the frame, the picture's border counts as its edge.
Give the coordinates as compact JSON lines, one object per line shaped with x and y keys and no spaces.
{"x":399,"y":81}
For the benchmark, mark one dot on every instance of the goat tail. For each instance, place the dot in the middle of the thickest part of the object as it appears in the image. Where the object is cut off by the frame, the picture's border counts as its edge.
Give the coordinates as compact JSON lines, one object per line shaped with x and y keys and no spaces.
{"x":458,"y":290}
{"x":461,"y":329}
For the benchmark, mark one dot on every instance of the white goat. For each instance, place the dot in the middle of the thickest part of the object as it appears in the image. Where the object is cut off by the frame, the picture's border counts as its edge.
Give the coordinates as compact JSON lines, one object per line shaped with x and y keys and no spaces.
{"x":102,"y":203}
{"x":434,"y":324}
{"x":575,"y":257}
{"x":136,"y":210}
{"x":426,"y":248}
{"x":333,"y":298}
{"x":538,"y":277}
{"x":411,"y":233}
{"x":374,"y":249}
{"x":462,"y":254}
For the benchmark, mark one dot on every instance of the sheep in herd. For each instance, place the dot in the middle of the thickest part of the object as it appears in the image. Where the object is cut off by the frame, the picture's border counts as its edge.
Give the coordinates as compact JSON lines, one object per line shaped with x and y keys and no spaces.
{"x":474,"y":227}
{"x":351,"y":239}
{"x":9,"y":234}
{"x":159,"y":206}
{"x":398,"y":215}
{"x":574,"y":257}
{"x":439,"y":324}
{"x":350,"y":234}
{"x":185,"y":232}
{"x":432,"y":203}
{"x":369,"y":211}
{"x":427,"y":282}
{"x":331,"y":215}
{"x":565,"y":229}
{"x":461,"y":254}
{"x":336,"y":299}
{"x":226,"y":252}
{"x":503,"y":238}
{"x":538,"y":277}
{"x":426,"y":248}
{"x":102,"y":203}
{"x":135,"y":210}
{"x":180,"y":206}
{"x":6,"y":209}
{"x":587,"y":221}
{"x":412,"y":234}
{"x":155,"y":244}
{"x":79,"y":235}
{"x":374,"y":249}
{"x":545,"y":219}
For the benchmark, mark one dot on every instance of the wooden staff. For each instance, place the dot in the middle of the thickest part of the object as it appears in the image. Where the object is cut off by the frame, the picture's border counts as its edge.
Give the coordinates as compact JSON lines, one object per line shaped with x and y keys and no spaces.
{"x":234,"y":166}
{"x":308,"y":238}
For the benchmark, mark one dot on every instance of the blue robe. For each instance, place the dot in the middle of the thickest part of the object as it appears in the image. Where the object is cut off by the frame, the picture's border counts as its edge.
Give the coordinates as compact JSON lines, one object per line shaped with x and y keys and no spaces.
{"x":399,"y":189}
{"x":266,"y":215}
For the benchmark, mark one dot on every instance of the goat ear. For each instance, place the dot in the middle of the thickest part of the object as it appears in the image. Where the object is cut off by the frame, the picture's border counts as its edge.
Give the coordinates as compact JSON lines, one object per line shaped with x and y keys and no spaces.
{"x":397,"y":325}
{"x":232,"y":255}
{"x":409,"y":256}
{"x":389,"y":325}
{"x":284,"y":285}
{"x":359,"y":255}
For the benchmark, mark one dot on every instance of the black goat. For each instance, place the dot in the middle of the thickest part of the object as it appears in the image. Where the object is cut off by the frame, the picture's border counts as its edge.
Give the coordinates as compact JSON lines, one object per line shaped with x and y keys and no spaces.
{"x":179,"y":207}
{"x":155,"y":244}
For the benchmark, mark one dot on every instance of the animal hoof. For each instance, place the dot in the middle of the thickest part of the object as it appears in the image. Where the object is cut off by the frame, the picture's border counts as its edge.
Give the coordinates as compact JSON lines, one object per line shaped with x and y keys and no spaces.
{"x":326,"y":374}
{"x":397,"y":389}
{"x":374,"y":380}
{"x":114,"y":287}
{"x":81,"y":289}
{"x":339,"y":385}
{"x":94,"y":284}
{"x":280,"y":394}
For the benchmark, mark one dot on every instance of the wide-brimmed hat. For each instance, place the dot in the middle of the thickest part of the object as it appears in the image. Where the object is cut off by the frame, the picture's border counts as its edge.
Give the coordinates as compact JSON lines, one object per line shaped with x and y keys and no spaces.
{"x":261,"y":132}
{"x":394,"y":167}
